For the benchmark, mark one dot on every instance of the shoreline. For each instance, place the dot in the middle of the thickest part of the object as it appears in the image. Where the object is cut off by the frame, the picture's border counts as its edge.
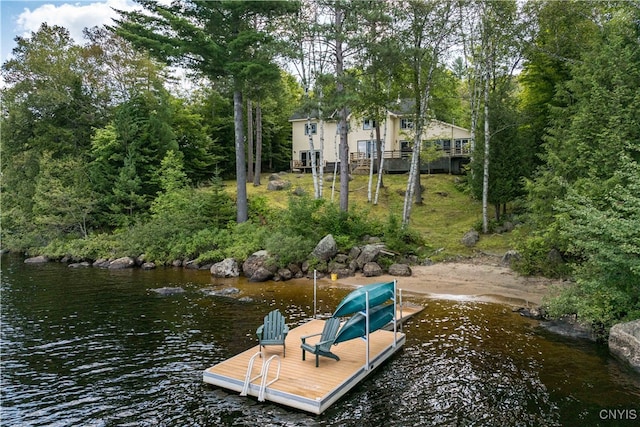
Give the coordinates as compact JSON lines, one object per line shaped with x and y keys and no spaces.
{"x":473,"y":280}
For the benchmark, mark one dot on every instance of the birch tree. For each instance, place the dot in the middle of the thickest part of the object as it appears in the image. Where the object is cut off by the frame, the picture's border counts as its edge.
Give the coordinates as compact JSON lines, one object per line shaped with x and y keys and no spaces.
{"x":311,"y":61}
{"x":376,"y":94}
{"x":494,"y":49}
{"x":428,"y":28}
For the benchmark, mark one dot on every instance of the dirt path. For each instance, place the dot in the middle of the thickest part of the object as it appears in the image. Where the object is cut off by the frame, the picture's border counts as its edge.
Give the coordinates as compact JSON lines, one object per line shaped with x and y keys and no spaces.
{"x":473,"y":279}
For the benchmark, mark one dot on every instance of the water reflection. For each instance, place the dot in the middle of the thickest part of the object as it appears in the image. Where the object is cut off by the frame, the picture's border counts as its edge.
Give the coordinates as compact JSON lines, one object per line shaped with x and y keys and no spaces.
{"x":97,"y":347}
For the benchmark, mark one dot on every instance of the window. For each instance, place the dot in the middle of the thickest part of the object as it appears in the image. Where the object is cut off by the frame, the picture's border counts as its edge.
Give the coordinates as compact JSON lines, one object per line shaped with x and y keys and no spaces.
{"x":406,"y":124}
{"x":305,"y":158}
{"x":312,"y":126}
{"x":366,"y":149}
{"x":368,"y":124}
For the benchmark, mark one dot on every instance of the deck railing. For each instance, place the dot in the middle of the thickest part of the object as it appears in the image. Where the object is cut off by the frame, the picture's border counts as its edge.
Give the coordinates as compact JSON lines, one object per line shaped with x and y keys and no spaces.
{"x":393,"y":154}
{"x":404,"y":154}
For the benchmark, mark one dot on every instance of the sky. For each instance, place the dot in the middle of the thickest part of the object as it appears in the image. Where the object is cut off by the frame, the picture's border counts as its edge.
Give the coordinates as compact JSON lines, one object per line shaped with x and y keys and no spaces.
{"x":21,"y":18}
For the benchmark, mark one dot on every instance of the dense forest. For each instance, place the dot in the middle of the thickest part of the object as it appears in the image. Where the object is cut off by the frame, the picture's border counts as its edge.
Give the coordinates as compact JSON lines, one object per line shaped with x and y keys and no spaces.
{"x":105,"y":153}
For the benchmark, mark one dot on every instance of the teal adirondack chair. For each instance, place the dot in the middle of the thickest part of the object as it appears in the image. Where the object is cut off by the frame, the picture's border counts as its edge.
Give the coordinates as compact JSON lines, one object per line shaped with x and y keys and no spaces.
{"x":273,"y":331}
{"x":323,"y":346}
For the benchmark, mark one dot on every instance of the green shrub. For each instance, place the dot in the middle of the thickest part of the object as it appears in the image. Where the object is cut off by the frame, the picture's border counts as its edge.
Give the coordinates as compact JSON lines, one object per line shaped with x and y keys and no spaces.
{"x":595,"y":305}
{"x":260,"y":211}
{"x":244,"y":239}
{"x":534,"y":258}
{"x":287,"y":248}
{"x":400,"y":239}
{"x":301,"y":217}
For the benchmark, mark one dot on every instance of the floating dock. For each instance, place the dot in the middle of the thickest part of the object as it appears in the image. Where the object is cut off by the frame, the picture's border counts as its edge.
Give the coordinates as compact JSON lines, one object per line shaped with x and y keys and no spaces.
{"x":292,"y":382}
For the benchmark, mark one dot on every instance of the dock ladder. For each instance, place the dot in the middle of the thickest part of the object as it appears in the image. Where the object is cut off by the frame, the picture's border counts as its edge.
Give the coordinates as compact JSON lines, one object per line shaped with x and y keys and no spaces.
{"x":264,"y":373}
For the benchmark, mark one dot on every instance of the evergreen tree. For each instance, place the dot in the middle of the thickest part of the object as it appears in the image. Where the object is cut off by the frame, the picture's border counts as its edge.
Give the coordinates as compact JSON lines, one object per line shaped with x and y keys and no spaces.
{"x":217,"y":39}
{"x":590,"y":174}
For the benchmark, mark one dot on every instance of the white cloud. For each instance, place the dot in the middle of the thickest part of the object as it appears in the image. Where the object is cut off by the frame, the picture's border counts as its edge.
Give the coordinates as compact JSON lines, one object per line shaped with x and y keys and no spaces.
{"x":74,"y":17}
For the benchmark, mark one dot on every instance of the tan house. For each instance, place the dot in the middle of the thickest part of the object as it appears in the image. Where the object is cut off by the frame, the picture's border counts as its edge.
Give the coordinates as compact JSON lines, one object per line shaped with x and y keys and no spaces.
{"x":453,"y":142}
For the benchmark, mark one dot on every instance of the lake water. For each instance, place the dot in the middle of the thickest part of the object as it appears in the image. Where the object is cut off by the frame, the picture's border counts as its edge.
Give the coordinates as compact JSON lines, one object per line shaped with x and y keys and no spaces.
{"x":97,"y":347}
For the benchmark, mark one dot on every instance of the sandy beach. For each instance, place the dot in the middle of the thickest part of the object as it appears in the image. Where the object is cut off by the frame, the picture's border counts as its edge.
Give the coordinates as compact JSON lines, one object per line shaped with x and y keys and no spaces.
{"x":482,"y":279}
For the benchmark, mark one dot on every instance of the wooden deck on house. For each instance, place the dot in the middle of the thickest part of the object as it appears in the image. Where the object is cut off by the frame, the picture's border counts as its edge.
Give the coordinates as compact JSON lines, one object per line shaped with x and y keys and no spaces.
{"x":301,"y":385}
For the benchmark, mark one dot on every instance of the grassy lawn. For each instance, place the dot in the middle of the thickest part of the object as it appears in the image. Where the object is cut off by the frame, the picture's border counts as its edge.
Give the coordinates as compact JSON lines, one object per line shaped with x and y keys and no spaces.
{"x":446,"y":214}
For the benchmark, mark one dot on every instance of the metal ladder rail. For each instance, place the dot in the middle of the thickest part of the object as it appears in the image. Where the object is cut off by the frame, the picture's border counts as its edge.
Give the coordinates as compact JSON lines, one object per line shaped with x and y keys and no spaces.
{"x":265,"y":373}
{"x":247,"y":379}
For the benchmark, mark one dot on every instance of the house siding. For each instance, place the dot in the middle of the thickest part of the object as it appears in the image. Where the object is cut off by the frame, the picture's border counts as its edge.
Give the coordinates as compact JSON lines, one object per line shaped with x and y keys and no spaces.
{"x":436,"y":130}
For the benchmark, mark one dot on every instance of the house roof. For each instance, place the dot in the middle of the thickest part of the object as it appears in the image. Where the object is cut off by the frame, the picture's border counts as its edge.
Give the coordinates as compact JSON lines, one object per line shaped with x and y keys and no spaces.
{"x":314,"y":114}
{"x":403,"y":107}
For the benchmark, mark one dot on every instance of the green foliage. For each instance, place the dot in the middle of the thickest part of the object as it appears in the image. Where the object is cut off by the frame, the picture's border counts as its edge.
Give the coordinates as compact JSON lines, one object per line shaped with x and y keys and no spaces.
{"x":260,"y":211}
{"x":402,"y":240}
{"x":534,"y":259}
{"x":595,"y":305}
{"x":247,"y":238}
{"x":606,"y":235}
{"x":299,"y":218}
{"x":183,"y":224}
{"x":510,"y":156}
{"x":288,"y":248}
{"x":171,"y":173}
{"x":586,"y":196}
{"x":353,"y":226}
{"x":97,"y":245}
{"x":63,"y":200}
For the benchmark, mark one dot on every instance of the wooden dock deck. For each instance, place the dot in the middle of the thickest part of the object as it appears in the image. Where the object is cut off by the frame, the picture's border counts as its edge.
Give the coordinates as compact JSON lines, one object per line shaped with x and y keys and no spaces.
{"x":301,"y":385}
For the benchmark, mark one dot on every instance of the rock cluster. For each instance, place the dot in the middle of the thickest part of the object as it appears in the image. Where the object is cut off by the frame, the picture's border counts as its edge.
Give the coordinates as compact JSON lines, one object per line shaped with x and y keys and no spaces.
{"x":371,"y":259}
{"x":324,"y":260}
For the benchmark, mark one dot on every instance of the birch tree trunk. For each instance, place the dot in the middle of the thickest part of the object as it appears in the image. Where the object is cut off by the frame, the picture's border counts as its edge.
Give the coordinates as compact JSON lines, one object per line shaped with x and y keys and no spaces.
{"x":487,"y":137}
{"x":411,"y":182}
{"x":321,"y":159}
{"x":370,"y":184}
{"x":312,"y":154}
{"x":335,"y":166}
{"x":381,"y":164}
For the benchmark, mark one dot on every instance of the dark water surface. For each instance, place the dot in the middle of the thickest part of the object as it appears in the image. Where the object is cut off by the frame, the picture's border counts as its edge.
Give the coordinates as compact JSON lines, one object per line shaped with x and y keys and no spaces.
{"x":96,"y":347}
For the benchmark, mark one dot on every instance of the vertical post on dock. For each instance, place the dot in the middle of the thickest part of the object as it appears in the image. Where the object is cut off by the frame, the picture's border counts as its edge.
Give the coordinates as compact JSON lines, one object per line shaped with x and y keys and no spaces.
{"x":401,"y":310}
{"x":395,"y":313}
{"x":366,"y":313}
{"x":315,"y":292}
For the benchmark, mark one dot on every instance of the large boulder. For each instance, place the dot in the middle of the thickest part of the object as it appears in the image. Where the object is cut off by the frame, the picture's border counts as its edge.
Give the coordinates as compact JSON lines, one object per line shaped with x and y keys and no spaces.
{"x":325,"y":249}
{"x":470,"y":238}
{"x":278,"y":185}
{"x":369,"y":253}
{"x":509,"y":257}
{"x":624,"y":342}
{"x":256,"y":261}
{"x":400,"y":270}
{"x":191,"y":265}
{"x":262,"y":274}
{"x":101,"y":263}
{"x":284,"y":274}
{"x":36,"y":260}
{"x":225,"y":268}
{"x":120,"y":263}
{"x":371,"y":269}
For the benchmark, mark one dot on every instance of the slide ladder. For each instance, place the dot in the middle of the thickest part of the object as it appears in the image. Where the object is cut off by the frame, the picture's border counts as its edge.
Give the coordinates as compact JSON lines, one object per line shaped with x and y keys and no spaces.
{"x":264,"y":373}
